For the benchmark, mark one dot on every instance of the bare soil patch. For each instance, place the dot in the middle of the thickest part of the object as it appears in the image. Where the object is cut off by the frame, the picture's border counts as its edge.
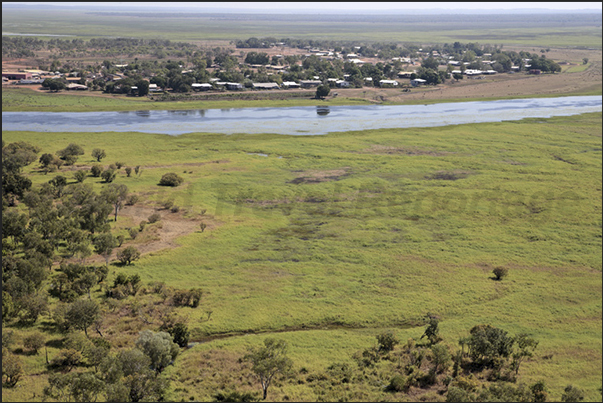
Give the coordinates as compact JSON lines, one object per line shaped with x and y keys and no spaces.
{"x":159,"y":237}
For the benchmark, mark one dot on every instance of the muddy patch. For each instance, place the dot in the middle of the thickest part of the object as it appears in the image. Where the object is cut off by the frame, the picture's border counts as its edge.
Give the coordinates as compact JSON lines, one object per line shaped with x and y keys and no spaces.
{"x":316,"y":176}
{"x":449,"y":175}
{"x":404,"y":150}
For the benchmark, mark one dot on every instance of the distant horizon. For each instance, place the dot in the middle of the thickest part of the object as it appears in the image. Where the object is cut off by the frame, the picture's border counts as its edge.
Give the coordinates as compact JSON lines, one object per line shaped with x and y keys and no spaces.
{"x":326,"y":7}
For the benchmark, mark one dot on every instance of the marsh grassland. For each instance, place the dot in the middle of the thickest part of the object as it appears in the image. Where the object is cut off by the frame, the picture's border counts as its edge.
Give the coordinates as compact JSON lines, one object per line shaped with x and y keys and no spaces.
{"x":329,"y":240}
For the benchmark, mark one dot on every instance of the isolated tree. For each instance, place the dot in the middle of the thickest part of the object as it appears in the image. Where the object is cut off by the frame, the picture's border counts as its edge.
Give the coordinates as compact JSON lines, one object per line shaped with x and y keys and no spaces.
{"x":46,"y":159}
{"x":269,"y":361}
{"x":539,"y":391}
{"x":322,"y":91}
{"x":82,"y":314}
{"x":116,"y":195}
{"x":128,"y":255}
{"x":159,"y":347}
{"x":99,"y":154}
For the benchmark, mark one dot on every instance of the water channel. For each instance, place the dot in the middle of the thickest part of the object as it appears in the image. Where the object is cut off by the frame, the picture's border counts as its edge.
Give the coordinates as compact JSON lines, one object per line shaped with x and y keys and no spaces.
{"x":310,"y":120}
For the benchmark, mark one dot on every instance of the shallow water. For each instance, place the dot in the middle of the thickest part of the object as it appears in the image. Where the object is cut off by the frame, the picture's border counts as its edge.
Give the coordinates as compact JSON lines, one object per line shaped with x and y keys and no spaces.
{"x":300,"y":120}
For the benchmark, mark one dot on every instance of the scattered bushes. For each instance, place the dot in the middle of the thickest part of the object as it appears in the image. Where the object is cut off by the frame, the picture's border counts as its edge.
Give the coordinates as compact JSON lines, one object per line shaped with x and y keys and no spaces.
{"x":153,"y":218}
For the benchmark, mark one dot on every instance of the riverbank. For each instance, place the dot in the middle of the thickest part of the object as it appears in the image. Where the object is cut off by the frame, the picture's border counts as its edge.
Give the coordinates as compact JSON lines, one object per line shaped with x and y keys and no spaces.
{"x":503,"y":86}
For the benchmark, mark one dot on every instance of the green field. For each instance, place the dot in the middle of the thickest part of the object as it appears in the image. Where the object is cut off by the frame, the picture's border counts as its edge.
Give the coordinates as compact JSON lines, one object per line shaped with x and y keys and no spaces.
{"x":573,"y":30}
{"x":351,"y":233}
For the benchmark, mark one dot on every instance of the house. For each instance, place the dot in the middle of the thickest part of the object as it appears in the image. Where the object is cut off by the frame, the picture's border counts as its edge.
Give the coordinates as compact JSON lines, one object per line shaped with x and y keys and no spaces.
{"x":265,"y":86}
{"x":17,"y":75}
{"x":342,"y":83}
{"x":309,"y":83}
{"x":290,"y":84}
{"x":201,"y":86}
{"x":79,"y":87}
{"x":417,"y":81}
{"x":489,"y":72}
{"x":32,"y":81}
{"x":233,"y":86}
{"x":405,"y":74}
{"x":387,"y":83}
{"x":154,"y":88}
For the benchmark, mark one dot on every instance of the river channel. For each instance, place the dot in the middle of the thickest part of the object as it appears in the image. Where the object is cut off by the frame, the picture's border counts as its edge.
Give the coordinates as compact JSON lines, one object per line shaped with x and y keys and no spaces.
{"x":315,"y":120}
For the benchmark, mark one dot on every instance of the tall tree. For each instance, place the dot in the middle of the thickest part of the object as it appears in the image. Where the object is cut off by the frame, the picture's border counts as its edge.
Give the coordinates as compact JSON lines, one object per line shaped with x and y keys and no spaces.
{"x":269,"y":361}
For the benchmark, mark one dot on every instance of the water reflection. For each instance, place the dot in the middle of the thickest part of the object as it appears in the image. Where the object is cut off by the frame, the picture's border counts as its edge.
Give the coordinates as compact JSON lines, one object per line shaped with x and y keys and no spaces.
{"x":323,"y":110}
{"x":143,"y":114}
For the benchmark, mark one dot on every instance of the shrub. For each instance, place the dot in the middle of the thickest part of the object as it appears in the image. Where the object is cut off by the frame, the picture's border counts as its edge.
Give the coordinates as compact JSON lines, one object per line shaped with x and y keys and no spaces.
{"x":175,"y":209}
{"x":153,"y":218}
{"x":168,"y":204}
{"x":202,"y":226}
{"x":500,"y":273}
{"x":128,"y":255}
{"x":132,"y":200}
{"x":128,"y":171}
{"x":120,"y":240}
{"x":397,"y":384}
{"x":133,"y":232}
{"x":572,"y":394}
{"x":387,"y":341}
{"x":171,"y":179}
{"x":119,"y":165}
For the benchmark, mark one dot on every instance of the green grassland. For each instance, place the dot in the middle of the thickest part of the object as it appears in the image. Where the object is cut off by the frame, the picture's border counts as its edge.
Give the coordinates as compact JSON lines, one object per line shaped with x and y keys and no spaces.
{"x":24,"y":99}
{"x":351,"y":233}
{"x":541,"y":30}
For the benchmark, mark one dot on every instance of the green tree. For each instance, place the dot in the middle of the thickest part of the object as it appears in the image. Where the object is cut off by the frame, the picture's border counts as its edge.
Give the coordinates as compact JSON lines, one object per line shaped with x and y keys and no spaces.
{"x":526,"y":346}
{"x":104,"y":243}
{"x":322,"y":91}
{"x":115,"y":195}
{"x":12,"y":369}
{"x":96,"y":170}
{"x":487,"y":343}
{"x":34,"y":342}
{"x":82,"y":314}
{"x":539,"y":391}
{"x":79,"y":176}
{"x":109,"y":175}
{"x":269,"y":361}
{"x":99,"y":154}
{"x":70,"y":153}
{"x":432,"y":331}
{"x":159,"y":347}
